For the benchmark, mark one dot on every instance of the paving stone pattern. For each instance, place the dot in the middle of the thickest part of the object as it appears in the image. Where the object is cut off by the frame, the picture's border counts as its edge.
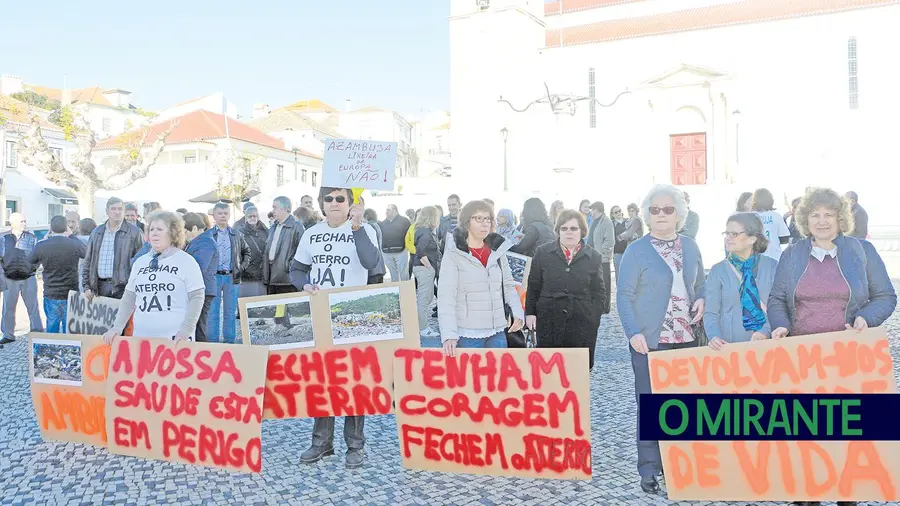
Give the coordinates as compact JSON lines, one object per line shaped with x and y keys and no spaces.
{"x":36,"y":472}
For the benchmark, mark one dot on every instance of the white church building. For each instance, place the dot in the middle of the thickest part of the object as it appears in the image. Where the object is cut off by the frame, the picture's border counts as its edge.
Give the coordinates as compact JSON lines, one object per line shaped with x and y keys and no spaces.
{"x":716,"y":96}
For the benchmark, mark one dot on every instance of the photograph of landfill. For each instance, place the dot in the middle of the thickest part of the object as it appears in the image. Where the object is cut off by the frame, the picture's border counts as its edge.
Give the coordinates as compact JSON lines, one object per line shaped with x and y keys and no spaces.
{"x":281,"y":324}
{"x":56,"y":362}
{"x":366,"y":315}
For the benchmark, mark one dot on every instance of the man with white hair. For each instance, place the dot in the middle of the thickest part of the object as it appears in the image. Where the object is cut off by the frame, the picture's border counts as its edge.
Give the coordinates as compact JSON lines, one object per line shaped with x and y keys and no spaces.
{"x":16,"y":248}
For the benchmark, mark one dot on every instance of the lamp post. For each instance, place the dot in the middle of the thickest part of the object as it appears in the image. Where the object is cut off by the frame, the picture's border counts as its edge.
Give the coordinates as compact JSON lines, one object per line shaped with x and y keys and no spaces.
{"x":505,"y":134}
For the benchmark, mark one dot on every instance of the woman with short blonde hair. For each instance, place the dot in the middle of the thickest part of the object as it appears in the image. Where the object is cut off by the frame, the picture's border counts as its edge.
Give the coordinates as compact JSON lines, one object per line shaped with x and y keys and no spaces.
{"x":426,"y":263}
{"x":165,"y":290}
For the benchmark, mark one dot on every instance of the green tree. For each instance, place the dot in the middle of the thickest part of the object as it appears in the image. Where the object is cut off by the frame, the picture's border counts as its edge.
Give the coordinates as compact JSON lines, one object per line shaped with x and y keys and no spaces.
{"x":36,"y":100}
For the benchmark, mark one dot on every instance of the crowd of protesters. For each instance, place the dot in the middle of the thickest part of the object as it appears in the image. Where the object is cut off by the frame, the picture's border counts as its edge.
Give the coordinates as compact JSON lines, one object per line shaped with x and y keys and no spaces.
{"x":810,"y":270}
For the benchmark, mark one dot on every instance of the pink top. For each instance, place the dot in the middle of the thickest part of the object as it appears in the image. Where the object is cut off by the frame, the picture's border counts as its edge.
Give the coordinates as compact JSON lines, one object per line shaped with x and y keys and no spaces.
{"x":821,"y":298}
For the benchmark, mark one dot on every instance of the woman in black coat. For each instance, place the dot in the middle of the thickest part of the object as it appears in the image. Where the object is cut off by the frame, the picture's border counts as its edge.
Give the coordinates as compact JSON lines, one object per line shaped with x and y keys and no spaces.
{"x":255,"y":233}
{"x":566,"y":295}
{"x":536,"y":226}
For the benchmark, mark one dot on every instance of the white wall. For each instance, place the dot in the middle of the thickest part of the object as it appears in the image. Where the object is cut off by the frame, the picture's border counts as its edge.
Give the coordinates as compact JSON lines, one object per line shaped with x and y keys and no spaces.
{"x":119,"y":120}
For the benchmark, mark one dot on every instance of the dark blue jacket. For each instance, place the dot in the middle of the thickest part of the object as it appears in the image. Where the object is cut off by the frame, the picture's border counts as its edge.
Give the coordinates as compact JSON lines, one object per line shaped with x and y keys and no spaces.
{"x":872,"y":295}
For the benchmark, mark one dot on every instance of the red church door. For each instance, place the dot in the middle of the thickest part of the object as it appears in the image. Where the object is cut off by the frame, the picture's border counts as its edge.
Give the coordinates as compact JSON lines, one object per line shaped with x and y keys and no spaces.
{"x":688,"y":156}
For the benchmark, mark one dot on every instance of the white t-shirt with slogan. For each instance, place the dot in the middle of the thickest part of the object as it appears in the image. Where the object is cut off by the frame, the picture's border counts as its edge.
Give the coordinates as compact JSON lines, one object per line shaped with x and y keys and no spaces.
{"x":162,"y":294}
{"x":331,"y":255}
{"x":775,"y":228}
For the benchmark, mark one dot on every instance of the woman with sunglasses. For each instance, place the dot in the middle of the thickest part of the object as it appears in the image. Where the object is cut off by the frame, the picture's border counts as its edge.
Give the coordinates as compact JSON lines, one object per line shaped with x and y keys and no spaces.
{"x":659,"y":296}
{"x":475,"y":284}
{"x":566,"y":293}
{"x":165,"y":290}
{"x":738,"y":287}
{"x":337,"y":252}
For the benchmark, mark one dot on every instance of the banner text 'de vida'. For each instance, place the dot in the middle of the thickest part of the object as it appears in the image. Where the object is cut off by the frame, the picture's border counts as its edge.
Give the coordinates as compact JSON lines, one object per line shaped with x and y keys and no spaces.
{"x":501,"y":412}
{"x":193,"y":403}
{"x":342,"y":381}
{"x":76,"y":414}
{"x":841,"y":362}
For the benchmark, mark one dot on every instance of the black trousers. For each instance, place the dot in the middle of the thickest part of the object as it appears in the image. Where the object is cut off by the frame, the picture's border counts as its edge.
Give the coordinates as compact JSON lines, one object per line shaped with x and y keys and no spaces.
{"x":649,"y":462}
{"x":607,"y":284}
{"x":200,"y":331}
{"x":109,"y":289}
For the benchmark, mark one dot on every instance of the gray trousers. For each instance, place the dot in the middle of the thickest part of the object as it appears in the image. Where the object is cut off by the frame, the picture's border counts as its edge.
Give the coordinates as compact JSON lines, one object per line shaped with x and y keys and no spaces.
{"x":323,"y":432}
{"x":398,"y":265}
{"x":424,"y":293}
{"x":649,"y":460}
{"x":29,"y":290}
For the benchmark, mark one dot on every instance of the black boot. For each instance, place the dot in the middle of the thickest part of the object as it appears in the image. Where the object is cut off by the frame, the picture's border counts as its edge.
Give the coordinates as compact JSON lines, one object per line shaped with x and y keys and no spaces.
{"x":649,"y":484}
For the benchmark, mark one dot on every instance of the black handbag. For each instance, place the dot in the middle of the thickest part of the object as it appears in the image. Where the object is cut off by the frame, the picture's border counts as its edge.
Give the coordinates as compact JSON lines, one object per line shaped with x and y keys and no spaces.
{"x":513,"y":339}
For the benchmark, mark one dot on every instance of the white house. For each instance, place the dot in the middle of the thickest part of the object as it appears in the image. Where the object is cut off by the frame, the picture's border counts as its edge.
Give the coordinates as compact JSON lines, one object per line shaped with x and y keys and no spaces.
{"x":216,"y":103}
{"x":108,"y":112}
{"x":295,"y":129}
{"x":190,"y":163}
{"x":718,"y":96}
{"x":25,"y":190}
{"x":431,"y":144}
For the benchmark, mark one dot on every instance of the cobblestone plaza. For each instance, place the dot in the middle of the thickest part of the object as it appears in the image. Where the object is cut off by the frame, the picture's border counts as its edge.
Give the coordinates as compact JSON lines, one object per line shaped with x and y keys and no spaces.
{"x":36,"y":472}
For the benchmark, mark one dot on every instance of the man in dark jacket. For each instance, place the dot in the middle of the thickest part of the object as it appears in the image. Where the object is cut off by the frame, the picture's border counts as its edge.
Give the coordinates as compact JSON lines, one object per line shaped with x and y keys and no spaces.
{"x":60,"y":254}
{"x":234,"y":256}
{"x":16,"y":248}
{"x":281,"y":246}
{"x":393,"y":243}
{"x":860,"y":217}
{"x":203,"y":249}
{"x":449,"y":223}
{"x":107,"y":263}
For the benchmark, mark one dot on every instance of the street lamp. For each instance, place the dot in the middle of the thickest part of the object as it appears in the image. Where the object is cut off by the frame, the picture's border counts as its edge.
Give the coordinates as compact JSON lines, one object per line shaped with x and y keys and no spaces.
{"x":505,"y":134}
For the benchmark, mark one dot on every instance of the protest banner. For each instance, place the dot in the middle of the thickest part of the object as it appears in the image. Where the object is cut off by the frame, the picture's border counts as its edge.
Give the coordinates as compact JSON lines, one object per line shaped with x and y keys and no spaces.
{"x":333,"y":354}
{"x":68,"y":386}
{"x":502,"y":412}
{"x":840,"y":362}
{"x":93,"y":316}
{"x":349,"y":163}
{"x":193,"y":403}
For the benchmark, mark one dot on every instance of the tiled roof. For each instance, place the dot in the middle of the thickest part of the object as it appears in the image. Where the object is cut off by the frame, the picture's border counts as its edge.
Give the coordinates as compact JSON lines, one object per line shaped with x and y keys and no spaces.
{"x":313,"y":105}
{"x":199,"y":126}
{"x":714,"y":16}
{"x":282,"y":119}
{"x":558,"y":7}
{"x":16,"y":111}
{"x":93,"y":95}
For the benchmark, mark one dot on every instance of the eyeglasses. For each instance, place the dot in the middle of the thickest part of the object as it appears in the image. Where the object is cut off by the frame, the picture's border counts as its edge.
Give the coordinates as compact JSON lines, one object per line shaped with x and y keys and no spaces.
{"x":482,"y":219}
{"x":668,"y":210}
{"x":733,"y":235}
{"x":569,"y":229}
{"x":340,"y":199}
{"x":617,"y":212}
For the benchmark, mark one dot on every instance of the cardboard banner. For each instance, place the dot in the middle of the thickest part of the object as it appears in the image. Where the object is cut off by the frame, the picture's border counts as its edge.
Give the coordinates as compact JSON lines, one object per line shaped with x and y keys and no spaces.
{"x":502,"y":412}
{"x":754,"y":471}
{"x":68,"y":386}
{"x":93,"y":316}
{"x":193,"y":403}
{"x":331,"y":354}
{"x":349,"y":163}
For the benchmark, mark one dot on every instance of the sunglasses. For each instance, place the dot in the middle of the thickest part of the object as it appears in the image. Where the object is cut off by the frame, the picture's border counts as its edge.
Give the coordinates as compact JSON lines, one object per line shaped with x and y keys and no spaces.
{"x":668,"y":210}
{"x":340,"y":199}
{"x":569,"y":229}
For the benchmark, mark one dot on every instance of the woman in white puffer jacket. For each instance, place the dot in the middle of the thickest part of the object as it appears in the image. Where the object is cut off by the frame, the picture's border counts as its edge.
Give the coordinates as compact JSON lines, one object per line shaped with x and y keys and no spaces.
{"x":474,"y":278}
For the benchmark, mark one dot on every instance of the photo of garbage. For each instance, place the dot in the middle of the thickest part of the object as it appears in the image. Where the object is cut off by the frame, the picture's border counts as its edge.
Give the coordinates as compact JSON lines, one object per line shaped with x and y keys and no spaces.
{"x":281,"y":324}
{"x":366,"y":315}
{"x":56,"y":362}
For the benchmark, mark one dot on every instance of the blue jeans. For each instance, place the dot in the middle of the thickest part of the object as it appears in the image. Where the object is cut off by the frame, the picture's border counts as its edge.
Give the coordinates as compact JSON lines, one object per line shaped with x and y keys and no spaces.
{"x":228,"y":291}
{"x":56,"y":311}
{"x":497,"y":340}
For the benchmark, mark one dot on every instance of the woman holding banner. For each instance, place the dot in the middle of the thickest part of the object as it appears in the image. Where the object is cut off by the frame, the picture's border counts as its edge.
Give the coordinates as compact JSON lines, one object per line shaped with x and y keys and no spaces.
{"x":828,"y":281}
{"x":738,"y":287}
{"x":660,"y":296}
{"x":336,"y":252}
{"x":475,"y":284}
{"x":165,"y":290}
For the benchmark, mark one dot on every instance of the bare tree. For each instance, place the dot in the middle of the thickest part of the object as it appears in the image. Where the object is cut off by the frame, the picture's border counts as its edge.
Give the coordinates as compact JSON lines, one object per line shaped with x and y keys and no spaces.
{"x":134,"y":161}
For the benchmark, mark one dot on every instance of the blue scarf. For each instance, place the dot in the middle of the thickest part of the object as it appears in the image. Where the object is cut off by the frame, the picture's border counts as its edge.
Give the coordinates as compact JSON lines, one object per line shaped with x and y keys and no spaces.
{"x":751,"y":307}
